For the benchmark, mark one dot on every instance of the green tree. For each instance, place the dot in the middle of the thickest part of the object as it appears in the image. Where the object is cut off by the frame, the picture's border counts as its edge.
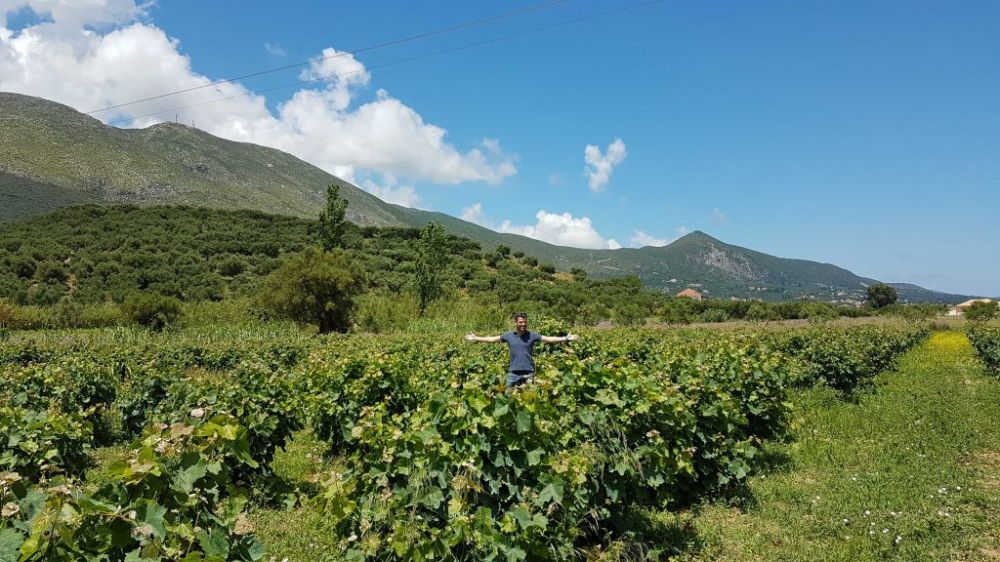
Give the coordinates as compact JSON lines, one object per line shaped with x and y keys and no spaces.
{"x":315,"y":288}
{"x":982,"y":311}
{"x":332,"y":220}
{"x":431,"y":260}
{"x":880,"y":294}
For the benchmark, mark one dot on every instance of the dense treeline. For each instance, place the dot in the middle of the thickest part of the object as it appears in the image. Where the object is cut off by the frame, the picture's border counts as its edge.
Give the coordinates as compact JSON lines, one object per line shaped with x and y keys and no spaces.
{"x":75,"y":267}
{"x":95,"y":253}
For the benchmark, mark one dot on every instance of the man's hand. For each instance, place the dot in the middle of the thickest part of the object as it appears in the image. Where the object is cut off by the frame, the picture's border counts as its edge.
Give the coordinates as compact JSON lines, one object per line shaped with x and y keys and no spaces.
{"x":470,"y":337}
{"x":571,"y":337}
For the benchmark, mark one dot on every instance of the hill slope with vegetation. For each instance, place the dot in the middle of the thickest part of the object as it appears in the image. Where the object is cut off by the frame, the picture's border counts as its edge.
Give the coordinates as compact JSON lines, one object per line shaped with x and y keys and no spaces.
{"x":52,"y":156}
{"x":102,"y":254}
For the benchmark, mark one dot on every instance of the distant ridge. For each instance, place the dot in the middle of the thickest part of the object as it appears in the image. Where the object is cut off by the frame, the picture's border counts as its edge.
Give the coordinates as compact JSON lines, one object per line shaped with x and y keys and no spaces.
{"x":52,"y":156}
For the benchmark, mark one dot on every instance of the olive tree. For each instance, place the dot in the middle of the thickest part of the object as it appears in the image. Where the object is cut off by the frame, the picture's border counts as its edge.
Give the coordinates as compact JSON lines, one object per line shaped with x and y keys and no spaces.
{"x":880,"y":294}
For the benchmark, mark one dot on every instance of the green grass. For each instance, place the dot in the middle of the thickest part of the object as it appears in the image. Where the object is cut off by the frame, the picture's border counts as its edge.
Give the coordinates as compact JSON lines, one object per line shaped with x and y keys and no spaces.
{"x":301,"y":533}
{"x":909,"y":472}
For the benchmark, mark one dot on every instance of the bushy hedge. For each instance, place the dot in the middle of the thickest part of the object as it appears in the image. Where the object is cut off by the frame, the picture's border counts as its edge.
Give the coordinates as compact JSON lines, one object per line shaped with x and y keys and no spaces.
{"x":152,"y":310}
{"x":986,"y":341}
{"x":844,"y":359}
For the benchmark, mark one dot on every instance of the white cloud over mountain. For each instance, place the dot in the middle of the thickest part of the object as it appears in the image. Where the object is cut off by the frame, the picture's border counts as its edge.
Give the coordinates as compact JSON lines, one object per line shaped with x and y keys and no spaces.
{"x":91,"y":54}
{"x":391,"y":191}
{"x":598,"y":167}
{"x":640,"y":239}
{"x":562,"y":229}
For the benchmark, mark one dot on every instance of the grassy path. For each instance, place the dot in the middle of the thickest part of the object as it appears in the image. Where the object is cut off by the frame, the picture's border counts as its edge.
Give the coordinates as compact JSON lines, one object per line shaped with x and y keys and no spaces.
{"x":909,"y":472}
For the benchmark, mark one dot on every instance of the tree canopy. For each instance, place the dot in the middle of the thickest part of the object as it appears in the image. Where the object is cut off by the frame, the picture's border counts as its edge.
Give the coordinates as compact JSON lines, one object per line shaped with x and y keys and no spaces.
{"x":880,"y":295}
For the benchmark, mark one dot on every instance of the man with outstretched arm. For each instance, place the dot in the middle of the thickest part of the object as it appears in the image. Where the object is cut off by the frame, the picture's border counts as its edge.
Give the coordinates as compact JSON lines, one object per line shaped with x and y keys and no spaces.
{"x":521,"y":343}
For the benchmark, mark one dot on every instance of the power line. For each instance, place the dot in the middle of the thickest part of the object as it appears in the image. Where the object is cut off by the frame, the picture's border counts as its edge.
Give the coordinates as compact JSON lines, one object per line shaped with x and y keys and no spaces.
{"x":390,"y":43}
{"x":394,"y":63}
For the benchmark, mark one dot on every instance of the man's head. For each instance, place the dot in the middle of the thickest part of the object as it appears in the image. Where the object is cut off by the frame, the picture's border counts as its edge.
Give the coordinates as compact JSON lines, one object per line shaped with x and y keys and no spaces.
{"x":520,"y":322}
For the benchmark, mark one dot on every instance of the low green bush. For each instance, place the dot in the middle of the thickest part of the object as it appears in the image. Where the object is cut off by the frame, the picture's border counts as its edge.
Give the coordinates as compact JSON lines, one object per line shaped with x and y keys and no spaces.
{"x":152,"y":310}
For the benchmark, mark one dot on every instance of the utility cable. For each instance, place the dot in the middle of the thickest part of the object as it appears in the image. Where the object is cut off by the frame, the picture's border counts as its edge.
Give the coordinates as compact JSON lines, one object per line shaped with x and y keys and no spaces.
{"x":339,"y":54}
{"x":393,"y":63}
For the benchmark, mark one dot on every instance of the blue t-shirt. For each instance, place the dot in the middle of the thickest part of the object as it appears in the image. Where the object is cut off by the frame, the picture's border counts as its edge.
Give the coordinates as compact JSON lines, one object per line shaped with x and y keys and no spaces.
{"x":520,"y":350}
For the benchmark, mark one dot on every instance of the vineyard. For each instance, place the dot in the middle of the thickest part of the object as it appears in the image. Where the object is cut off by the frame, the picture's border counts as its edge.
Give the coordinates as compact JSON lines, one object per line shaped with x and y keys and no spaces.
{"x":985,"y":339}
{"x":431,"y":459}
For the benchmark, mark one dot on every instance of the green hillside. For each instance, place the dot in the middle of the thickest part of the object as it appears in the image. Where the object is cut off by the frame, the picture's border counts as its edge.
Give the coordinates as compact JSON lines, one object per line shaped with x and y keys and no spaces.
{"x":52,"y":156}
{"x":22,"y":197}
{"x":97,"y":252}
{"x":55,"y":145}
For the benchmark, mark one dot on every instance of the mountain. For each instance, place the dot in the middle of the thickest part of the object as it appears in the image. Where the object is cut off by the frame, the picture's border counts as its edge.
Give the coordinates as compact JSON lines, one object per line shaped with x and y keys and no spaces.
{"x":55,"y":147}
{"x":52,"y":155}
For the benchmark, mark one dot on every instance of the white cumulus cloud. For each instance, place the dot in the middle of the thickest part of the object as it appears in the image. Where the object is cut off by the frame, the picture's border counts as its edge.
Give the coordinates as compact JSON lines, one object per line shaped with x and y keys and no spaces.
{"x":275,"y":49}
{"x":71,"y":15}
{"x":475,"y":215}
{"x":598,"y":167}
{"x":393,"y":192}
{"x":561,"y":229}
{"x":88,"y":52}
{"x":640,"y":239}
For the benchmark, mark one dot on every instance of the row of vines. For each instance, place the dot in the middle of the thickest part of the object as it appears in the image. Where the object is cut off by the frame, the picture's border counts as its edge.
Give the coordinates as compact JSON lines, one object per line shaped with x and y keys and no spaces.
{"x":985,"y":339}
{"x":433,"y":460}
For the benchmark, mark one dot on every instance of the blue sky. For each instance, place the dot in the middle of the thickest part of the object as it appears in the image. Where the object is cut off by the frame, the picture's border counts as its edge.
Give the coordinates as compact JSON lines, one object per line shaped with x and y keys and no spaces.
{"x":863,"y":134}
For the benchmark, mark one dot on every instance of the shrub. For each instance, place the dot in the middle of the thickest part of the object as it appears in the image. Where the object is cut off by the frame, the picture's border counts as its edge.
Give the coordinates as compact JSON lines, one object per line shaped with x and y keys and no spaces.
{"x":232,"y":266}
{"x":315,"y":287}
{"x":38,"y":444}
{"x":381,"y":312}
{"x":173,"y":499}
{"x":152,"y":310}
{"x":713,"y":315}
{"x":8,"y":313}
{"x":982,"y":311}
{"x":628,"y":314}
{"x":760,"y":312}
{"x":986,"y":341}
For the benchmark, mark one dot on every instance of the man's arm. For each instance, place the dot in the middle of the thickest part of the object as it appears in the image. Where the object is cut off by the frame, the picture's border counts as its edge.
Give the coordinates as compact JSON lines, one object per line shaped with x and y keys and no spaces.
{"x":560,"y":339}
{"x":470,"y":337}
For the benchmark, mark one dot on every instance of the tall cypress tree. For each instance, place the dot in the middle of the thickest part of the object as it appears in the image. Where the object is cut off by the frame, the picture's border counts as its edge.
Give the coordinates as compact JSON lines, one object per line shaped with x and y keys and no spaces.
{"x":432,"y":258}
{"x":332,"y":221}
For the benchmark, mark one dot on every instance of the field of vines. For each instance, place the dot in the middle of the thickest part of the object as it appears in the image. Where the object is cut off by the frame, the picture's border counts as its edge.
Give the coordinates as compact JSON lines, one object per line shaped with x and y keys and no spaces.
{"x":985,"y":339}
{"x":430,"y":458}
